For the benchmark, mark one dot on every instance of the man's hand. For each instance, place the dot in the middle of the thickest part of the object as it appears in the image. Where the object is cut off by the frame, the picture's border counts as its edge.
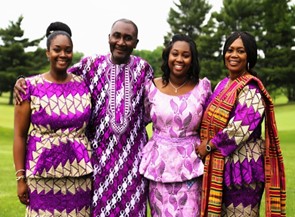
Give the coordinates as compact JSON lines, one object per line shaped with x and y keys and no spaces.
{"x":20,"y":86}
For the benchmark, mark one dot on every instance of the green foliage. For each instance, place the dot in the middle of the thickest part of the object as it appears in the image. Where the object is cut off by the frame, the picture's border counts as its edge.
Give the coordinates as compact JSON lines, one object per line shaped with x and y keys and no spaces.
{"x":14,"y":60}
{"x":188,"y":18}
{"x":277,"y":43}
{"x":77,"y":57}
{"x":153,"y":57}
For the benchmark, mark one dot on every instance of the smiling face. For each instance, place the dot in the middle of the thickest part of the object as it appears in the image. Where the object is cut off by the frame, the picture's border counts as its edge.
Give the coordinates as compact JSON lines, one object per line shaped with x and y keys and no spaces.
{"x":60,"y":53}
{"x":122,"y":41}
{"x":236,"y":58}
{"x":179,"y":60}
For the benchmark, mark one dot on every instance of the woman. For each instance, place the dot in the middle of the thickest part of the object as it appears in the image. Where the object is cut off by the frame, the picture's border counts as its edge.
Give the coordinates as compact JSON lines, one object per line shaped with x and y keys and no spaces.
{"x":239,"y":164}
{"x":174,"y":104}
{"x":52,"y":161}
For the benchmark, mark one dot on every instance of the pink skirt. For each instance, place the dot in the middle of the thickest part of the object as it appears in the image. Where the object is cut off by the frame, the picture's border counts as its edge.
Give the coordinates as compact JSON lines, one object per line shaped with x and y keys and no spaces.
{"x":175,"y":199}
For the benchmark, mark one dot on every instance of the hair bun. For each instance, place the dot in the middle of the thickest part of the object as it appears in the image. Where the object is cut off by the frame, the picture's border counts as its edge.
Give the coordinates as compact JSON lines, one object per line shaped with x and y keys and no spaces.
{"x":58,"y":26}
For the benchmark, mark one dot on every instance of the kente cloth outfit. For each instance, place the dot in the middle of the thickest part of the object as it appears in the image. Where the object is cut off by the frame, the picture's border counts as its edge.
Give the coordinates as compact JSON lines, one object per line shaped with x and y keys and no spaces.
{"x":58,"y":153}
{"x":169,"y":159}
{"x":244,"y":164}
{"x":117,"y":133}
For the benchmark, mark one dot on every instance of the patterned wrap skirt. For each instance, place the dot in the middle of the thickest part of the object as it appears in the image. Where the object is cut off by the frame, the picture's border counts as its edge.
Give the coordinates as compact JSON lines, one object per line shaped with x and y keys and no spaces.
{"x":242,"y":200}
{"x":69,"y":196}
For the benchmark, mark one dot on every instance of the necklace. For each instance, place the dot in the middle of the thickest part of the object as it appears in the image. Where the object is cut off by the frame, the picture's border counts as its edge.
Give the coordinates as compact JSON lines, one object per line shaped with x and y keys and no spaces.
{"x":176,"y":88}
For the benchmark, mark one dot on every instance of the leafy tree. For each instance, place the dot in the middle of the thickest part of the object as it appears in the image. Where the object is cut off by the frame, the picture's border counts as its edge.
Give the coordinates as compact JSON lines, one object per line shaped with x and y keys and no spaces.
{"x":277,"y":43}
{"x":235,"y":15}
{"x":14,"y":61}
{"x":188,"y":18}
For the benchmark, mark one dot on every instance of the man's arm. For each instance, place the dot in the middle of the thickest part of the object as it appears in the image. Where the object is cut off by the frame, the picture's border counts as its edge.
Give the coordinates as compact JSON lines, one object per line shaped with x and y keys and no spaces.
{"x":20,"y":86}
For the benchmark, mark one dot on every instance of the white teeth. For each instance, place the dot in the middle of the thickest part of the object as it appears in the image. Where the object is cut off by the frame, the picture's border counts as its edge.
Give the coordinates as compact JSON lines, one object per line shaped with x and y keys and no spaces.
{"x":233,"y":62}
{"x":178,"y":67}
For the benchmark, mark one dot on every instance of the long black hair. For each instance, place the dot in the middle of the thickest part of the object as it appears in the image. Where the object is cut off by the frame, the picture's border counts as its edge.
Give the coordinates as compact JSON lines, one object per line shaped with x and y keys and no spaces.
{"x":194,"y":70}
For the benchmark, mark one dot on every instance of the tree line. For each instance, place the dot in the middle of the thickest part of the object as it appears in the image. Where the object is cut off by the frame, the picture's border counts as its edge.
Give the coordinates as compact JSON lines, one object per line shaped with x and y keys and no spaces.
{"x":271,"y":22}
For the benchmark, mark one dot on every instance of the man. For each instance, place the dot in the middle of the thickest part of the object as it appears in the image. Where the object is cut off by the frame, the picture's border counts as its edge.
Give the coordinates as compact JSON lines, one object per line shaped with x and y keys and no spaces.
{"x":117,"y":130}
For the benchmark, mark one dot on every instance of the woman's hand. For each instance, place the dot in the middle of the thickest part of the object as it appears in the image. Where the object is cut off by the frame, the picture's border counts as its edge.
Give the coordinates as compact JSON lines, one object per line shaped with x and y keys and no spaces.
{"x":201,"y":150}
{"x":20,"y":86}
{"x":22,"y":191}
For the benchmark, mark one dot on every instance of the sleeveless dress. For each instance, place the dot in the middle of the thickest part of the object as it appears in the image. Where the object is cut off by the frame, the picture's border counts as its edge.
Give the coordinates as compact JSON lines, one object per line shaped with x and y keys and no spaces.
{"x":58,"y":154}
{"x":169,"y":160}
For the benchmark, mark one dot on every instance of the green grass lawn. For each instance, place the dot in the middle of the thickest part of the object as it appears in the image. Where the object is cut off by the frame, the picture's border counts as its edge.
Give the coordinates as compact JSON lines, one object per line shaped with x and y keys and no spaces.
{"x":11,"y":207}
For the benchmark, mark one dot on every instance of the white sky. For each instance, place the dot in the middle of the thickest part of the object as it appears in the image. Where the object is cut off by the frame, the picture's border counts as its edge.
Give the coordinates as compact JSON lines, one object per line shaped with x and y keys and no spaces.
{"x":91,"y":20}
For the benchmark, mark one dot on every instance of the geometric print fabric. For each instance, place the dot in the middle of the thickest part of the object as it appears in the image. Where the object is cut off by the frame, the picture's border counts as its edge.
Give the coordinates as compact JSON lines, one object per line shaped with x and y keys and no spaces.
{"x":57,"y":145}
{"x":60,"y":197}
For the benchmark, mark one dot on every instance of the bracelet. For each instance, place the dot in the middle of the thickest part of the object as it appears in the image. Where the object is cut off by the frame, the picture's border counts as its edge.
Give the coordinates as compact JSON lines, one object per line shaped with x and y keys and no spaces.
{"x":208,"y":147}
{"x":20,"y":170}
{"x":20,"y":177}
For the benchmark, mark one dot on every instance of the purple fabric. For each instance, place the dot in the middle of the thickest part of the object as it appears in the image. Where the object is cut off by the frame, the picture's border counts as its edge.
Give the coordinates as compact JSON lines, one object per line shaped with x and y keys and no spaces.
{"x":241,"y":142}
{"x":58,"y":156}
{"x":169,"y":156}
{"x":244,"y":200}
{"x":117,"y":133}
{"x":57,"y":145}
{"x":59,"y":197}
{"x":59,"y":201}
{"x":181,"y":199}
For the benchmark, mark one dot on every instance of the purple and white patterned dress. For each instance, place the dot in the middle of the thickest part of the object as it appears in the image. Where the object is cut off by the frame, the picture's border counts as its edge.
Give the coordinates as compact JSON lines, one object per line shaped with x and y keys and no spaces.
{"x":58,"y":154}
{"x":243,"y":147}
{"x":117,"y":133}
{"x":169,"y":160}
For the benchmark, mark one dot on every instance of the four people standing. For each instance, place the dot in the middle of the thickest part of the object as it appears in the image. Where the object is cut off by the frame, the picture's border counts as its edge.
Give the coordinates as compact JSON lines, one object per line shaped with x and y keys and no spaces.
{"x":121,"y":85}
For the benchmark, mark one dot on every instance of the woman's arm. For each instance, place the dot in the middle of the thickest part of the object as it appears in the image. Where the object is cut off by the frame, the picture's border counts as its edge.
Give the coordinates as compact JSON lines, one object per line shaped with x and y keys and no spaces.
{"x":246,"y":117}
{"x":22,"y":114}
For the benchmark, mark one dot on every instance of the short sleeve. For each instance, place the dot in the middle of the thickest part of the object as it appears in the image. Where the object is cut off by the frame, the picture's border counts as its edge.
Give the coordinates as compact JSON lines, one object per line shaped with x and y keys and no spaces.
{"x":206,"y":90}
{"x":26,"y":96}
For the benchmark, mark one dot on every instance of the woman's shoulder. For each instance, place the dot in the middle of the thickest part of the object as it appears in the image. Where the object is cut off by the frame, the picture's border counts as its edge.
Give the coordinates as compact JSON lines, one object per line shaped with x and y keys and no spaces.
{"x":157,"y":81}
{"x":205,"y":81}
{"x":153,"y":83}
{"x":205,"y":84}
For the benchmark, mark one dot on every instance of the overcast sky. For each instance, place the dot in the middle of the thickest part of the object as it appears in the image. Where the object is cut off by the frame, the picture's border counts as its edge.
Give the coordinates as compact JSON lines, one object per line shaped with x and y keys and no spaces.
{"x":91,"y":20}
